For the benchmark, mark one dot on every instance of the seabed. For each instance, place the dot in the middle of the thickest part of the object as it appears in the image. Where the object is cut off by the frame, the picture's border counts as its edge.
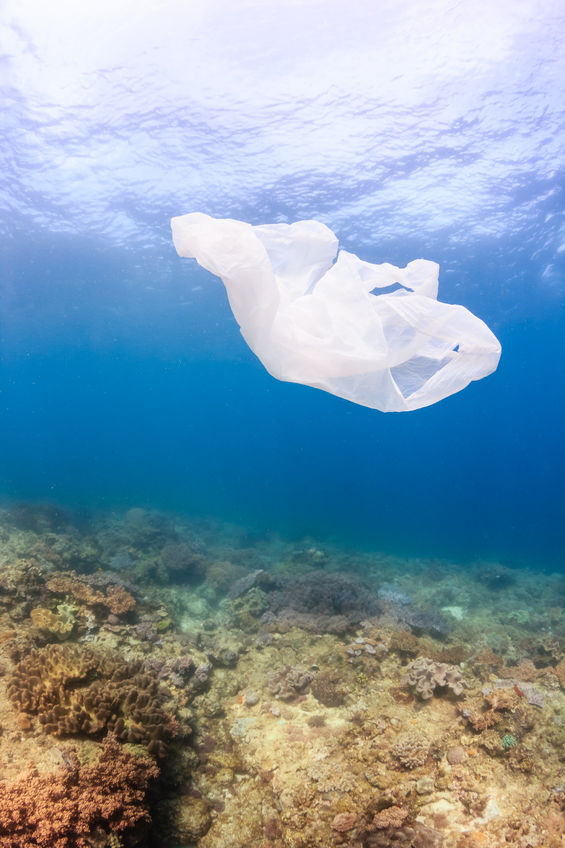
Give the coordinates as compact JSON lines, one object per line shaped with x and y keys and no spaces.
{"x":178,"y":682}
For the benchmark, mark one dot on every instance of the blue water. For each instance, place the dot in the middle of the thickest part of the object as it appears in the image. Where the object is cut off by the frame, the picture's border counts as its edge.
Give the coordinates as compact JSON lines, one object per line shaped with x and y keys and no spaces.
{"x":434,"y":130}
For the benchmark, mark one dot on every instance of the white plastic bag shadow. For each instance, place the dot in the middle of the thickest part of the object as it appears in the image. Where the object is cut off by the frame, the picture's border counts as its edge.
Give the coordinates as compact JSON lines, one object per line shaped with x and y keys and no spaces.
{"x":316,"y":320}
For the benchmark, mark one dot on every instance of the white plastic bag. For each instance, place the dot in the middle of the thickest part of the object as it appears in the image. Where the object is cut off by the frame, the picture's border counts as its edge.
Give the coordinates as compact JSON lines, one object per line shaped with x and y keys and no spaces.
{"x":313,"y":319}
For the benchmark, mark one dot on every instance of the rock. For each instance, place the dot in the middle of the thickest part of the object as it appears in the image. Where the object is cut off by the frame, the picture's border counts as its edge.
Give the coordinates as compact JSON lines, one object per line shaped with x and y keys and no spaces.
{"x":188,"y":819}
{"x":251,"y":698}
{"x":425,"y":785}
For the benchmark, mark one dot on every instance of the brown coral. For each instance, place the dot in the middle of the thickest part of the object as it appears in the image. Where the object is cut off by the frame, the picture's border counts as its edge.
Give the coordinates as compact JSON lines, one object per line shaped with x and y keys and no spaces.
{"x":38,"y":679}
{"x":559,"y":672}
{"x":326,"y":688}
{"x":117,"y":600}
{"x":74,"y":690}
{"x":67,"y":808}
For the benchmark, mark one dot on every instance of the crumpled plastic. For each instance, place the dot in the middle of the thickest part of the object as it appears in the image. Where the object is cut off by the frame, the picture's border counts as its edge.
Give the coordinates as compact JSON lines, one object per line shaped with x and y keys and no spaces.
{"x":324,"y":322}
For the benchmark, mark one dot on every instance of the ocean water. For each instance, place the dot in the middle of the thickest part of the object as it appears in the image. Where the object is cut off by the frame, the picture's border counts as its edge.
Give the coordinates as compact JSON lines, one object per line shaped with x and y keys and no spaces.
{"x":430,"y":130}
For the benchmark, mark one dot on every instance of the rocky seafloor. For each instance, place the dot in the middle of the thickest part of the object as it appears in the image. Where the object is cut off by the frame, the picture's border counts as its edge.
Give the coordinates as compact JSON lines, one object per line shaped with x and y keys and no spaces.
{"x":176,"y":682}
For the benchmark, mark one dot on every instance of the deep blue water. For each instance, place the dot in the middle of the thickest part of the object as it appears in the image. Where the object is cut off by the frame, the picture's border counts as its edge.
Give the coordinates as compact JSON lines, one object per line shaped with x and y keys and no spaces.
{"x":124,"y":378}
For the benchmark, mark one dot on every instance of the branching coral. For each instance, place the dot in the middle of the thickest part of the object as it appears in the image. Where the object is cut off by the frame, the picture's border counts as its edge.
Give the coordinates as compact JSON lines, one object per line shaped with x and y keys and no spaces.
{"x":411,"y":749}
{"x":67,"y":808}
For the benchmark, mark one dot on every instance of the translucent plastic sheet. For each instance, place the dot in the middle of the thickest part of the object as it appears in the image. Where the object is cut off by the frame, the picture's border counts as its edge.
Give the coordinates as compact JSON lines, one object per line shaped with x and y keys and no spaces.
{"x":321,"y":321}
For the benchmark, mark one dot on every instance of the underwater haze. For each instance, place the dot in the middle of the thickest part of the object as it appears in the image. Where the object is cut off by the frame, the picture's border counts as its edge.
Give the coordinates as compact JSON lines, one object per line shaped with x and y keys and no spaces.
{"x":431,"y":129}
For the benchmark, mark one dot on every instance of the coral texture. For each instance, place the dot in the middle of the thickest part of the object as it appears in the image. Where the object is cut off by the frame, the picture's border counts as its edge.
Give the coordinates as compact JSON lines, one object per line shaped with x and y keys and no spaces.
{"x":182,"y":561}
{"x":68,"y":808}
{"x":327,"y":690}
{"x":319,"y":602}
{"x":116,"y":600}
{"x":58,"y":625}
{"x":411,"y":749}
{"x":426,"y":676}
{"x":288,"y":682}
{"x":74,"y":690}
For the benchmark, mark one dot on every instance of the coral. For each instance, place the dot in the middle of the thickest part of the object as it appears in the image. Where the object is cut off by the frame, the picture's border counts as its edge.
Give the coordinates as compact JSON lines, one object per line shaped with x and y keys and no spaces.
{"x":58,"y":625}
{"x":258,"y":579}
{"x":319,"y":602}
{"x":245,"y":611}
{"x":69,"y":807}
{"x":223,"y":575}
{"x":415,"y":835}
{"x":405,"y":642}
{"x":426,"y":676}
{"x":38,"y":679}
{"x":76,"y":691}
{"x":288,"y":682}
{"x":485,"y":662}
{"x":327,"y":690}
{"x":394,"y":595}
{"x":38,"y":518}
{"x":411,"y":749}
{"x":182,"y":561}
{"x":559,"y":672}
{"x":526,"y":670}
{"x":343,"y":822}
{"x":508,"y":741}
{"x":520,"y":688}
{"x":392,"y":817}
{"x":143,"y":528}
{"x":314,"y":623}
{"x":503,"y":703}
{"x":456,"y":755}
{"x":116,"y":600}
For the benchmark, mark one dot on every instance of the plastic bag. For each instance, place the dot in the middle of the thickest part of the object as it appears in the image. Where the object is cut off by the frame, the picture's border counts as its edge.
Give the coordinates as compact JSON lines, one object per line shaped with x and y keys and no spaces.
{"x":318,"y":320}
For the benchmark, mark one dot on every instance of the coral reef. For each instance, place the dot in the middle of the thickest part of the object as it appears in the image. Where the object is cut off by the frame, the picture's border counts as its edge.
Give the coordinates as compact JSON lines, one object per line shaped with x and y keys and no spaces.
{"x":320,"y":602}
{"x":307,"y":673}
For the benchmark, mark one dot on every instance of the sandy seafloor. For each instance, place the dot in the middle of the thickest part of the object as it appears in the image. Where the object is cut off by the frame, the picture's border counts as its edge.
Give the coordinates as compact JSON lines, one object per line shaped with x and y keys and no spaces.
{"x":167,"y":681}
